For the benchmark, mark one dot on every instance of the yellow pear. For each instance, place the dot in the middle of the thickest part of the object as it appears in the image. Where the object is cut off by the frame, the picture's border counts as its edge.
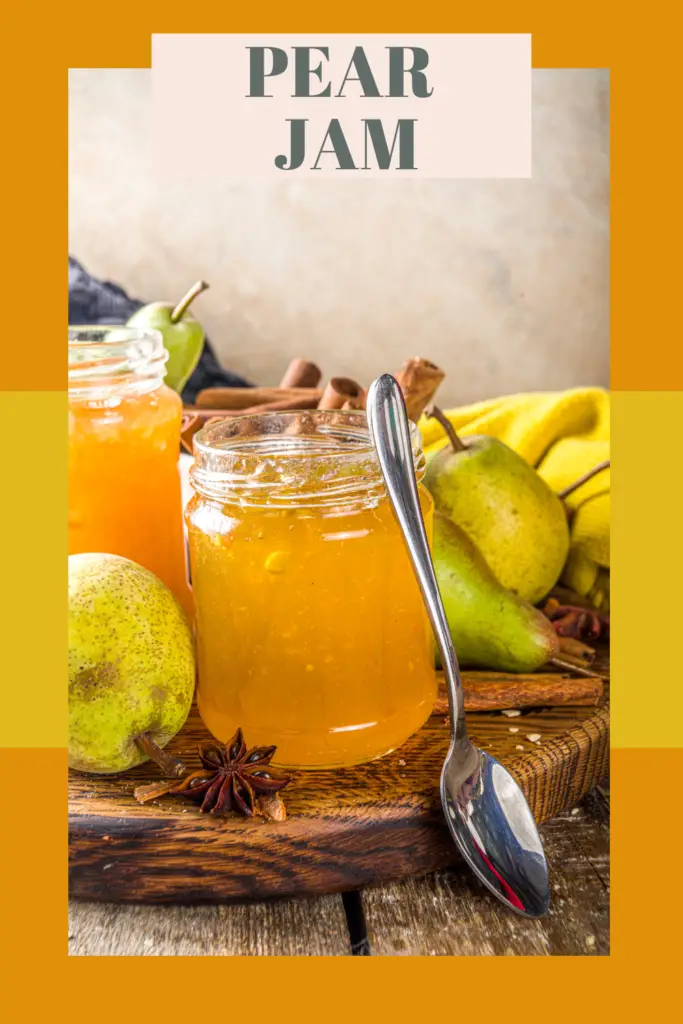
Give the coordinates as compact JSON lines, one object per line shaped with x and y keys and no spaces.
{"x":131,"y":665}
{"x":514,"y":518}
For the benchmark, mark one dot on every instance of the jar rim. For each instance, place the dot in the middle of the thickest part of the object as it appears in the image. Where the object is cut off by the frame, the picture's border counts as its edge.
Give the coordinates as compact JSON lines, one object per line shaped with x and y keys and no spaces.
{"x":258,"y":461}
{"x":329,"y":417}
{"x":126,"y":334}
{"x":103,"y":356}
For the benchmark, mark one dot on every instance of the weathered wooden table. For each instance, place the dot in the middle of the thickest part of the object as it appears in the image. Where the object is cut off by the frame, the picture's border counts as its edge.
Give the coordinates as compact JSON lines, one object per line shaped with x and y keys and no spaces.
{"x":445,"y":914}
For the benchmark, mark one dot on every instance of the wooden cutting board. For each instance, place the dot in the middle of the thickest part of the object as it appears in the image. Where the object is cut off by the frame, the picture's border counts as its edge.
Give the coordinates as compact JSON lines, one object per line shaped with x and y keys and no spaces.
{"x":345,"y":829}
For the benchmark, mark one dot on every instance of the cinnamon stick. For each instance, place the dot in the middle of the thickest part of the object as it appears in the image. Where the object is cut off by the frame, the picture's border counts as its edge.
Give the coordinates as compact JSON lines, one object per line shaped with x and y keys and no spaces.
{"x":190,"y":424}
{"x":194,"y":419}
{"x":342,"y":393}
{"x":210,"y":414}
{"x":419,"y":380}
{"x":496,"y":691}
{"x":284,"y":405}
{"x":301,"y":374}
{"x":239,"y":399}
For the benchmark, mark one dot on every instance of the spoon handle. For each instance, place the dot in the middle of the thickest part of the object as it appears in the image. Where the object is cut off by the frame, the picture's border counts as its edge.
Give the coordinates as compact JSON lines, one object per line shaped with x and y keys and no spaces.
{"x":390,"y":433}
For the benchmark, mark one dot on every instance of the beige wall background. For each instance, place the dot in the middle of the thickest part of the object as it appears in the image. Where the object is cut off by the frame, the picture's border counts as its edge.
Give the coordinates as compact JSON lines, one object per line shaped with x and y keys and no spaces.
{"x":505,"y":284}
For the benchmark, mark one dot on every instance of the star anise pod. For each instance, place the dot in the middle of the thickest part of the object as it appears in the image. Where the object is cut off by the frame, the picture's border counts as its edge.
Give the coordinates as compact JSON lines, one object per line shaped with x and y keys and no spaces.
{"x":580,"y":623}
{"x":232,"y":778}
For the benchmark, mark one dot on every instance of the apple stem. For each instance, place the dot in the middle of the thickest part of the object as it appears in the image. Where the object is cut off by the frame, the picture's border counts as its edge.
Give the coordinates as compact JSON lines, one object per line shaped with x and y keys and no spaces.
{"x":169,"y":765}
{"x":435,"y":413}
{"x":583,"y":479}
{"x":179,"y":311}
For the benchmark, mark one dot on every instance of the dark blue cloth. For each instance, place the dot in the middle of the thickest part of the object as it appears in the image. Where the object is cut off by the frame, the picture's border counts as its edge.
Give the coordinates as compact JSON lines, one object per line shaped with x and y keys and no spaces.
{"x":102,"y":302}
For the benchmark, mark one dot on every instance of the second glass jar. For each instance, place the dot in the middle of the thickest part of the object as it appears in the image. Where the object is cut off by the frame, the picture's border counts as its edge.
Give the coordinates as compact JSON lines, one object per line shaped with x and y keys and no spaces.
{"x":311,"y":632}
{"x":124,"y":443}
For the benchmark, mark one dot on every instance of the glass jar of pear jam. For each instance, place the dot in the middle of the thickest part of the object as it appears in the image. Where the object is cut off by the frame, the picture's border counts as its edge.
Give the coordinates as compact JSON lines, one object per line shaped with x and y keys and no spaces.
{"x":311,"y":632}
{"x":124,"y":445}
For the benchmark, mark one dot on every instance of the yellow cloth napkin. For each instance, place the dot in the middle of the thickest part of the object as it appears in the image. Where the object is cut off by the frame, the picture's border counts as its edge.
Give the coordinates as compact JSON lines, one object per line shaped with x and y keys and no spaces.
{"x":563,"y":434}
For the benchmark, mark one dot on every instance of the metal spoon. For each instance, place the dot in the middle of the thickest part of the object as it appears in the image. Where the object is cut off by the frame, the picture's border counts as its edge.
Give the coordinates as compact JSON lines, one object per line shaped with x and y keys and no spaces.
{"x":486,"y":811}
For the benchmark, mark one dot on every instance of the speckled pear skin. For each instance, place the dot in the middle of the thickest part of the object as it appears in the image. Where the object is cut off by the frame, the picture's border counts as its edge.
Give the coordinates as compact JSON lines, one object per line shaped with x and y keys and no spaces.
{"x":504,"y":506}
{"x":131,"y":662}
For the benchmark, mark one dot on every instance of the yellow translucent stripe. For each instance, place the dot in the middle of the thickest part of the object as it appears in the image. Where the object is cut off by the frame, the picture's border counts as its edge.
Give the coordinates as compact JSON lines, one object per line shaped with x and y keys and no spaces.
{"x":33,"y":594}
{"x":647,"y":568}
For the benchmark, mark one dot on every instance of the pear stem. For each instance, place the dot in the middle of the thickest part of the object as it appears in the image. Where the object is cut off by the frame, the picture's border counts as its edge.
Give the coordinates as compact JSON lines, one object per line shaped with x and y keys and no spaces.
{"x":569,"y":666}
{"x":436,"y":414}
{"x":179,"y":311}
{"x":169,"y":765}
{"x":583,"y":479}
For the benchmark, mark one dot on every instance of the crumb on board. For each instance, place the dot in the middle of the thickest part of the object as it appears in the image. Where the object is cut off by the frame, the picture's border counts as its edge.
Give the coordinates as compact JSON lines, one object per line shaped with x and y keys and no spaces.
{"x":513,"y":728}
{"x":519,"y":747}
{"x":534,"y":737}
{"x":511,"y":713}
{"x":590,"y":941}
{"x":575,"y":811}
{"x":271,"y":806}
{"x":402,"y":763}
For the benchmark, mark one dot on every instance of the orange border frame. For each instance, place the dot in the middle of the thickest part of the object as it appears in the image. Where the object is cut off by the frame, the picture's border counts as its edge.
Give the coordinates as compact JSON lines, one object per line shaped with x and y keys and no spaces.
{"x":41,"y":44}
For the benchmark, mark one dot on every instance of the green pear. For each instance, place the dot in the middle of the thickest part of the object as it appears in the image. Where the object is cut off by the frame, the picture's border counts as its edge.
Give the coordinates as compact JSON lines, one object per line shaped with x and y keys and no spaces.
{"x":516,"y":520}
{"x":491,"y":627}
{"x":131,"y":665}
{"x":183,"y":335}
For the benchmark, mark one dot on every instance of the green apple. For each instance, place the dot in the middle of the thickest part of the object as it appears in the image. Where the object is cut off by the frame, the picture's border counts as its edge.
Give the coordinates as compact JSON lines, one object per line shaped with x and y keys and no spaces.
{"x":183,"y":335}
{"x":131,"y":666}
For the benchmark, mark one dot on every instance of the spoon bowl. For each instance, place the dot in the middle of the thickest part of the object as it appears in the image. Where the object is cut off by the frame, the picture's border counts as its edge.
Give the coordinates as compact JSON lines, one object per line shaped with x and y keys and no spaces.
{"x":486,"y":811}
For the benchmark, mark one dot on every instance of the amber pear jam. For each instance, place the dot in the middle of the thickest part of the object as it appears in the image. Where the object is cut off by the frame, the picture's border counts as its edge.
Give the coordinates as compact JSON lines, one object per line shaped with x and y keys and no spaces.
{"x":311,"y":631}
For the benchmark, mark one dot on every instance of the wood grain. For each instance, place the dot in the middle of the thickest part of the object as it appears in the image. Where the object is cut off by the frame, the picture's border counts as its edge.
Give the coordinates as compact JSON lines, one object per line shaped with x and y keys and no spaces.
{"x":446,"y":914}
{"x":283,"y":928}
{"x":345,"y":829}
{"x":451,"y":914}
